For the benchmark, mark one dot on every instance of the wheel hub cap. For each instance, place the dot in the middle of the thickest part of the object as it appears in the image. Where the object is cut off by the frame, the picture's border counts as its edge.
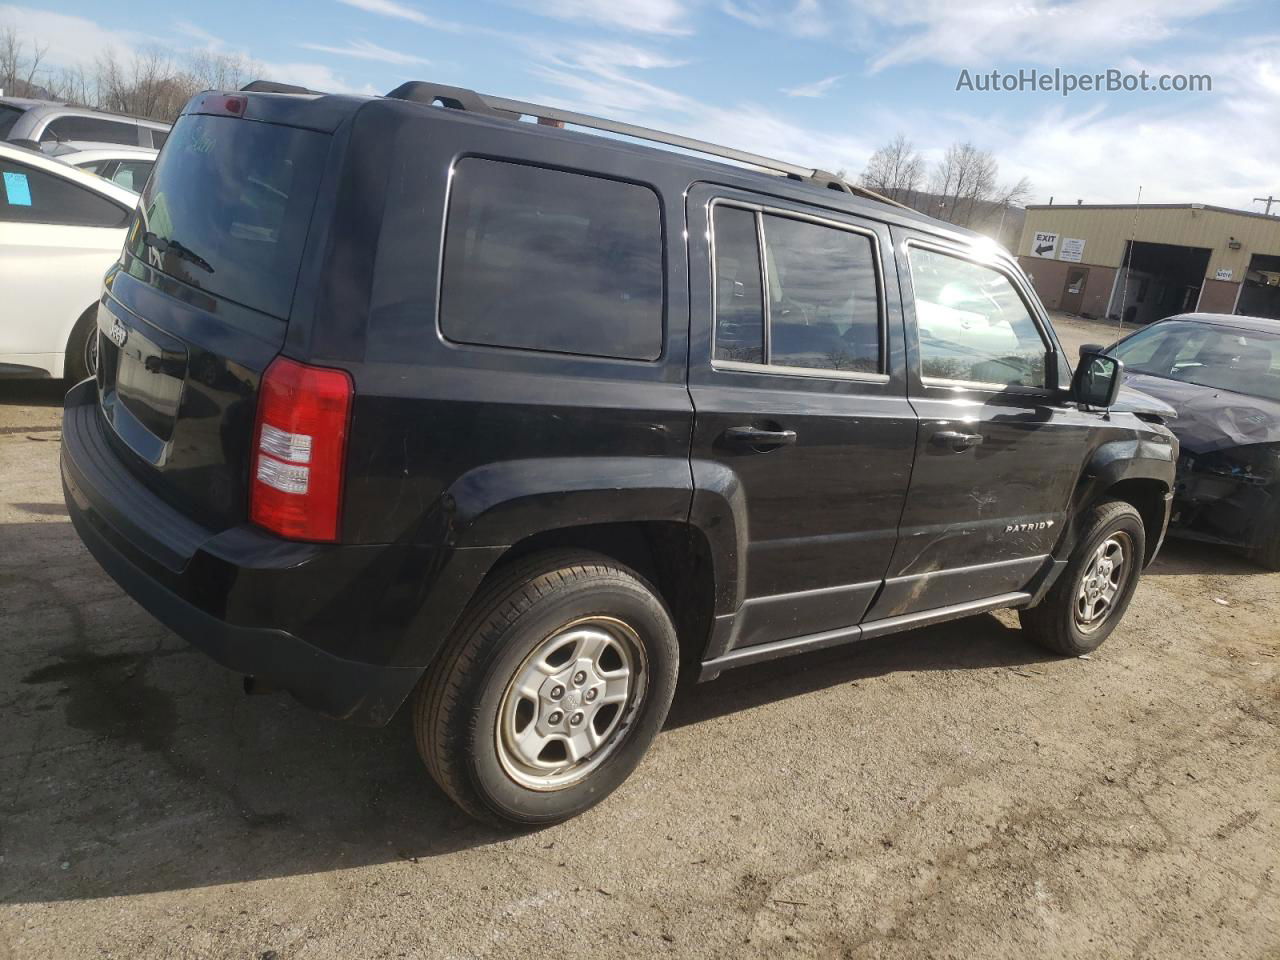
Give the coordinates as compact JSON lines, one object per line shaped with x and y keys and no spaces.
{"x":1104,"y":577}
{"x":569,"y":704}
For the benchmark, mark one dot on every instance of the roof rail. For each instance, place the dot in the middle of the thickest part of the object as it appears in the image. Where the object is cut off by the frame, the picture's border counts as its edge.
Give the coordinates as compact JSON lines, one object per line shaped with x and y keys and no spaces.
{"x":270,"y":86}
{"x":459,"y":98}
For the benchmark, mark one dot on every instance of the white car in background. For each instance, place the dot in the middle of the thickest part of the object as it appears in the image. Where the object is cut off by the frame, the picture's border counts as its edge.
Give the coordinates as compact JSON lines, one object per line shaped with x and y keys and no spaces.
{"x":126,"y":167}
{"x":60,"y":230}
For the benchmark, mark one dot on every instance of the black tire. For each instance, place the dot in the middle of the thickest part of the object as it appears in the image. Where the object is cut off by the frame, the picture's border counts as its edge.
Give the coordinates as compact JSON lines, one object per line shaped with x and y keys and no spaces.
{"x":464,"y":696}
{"x":82,"y":353}
{"x":1054,"y":623}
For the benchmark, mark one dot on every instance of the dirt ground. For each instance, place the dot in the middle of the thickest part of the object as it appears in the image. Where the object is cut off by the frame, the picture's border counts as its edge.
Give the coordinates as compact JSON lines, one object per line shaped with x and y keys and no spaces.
{"x":952,"y":792}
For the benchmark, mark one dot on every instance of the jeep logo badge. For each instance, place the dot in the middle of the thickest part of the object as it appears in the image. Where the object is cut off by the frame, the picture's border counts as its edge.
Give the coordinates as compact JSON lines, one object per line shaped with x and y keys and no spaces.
{"x":118,"y":333}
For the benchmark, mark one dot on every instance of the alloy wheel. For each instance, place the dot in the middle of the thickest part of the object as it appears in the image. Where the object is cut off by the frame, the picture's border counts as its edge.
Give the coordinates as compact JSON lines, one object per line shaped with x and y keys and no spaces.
{"x":568,"y":706}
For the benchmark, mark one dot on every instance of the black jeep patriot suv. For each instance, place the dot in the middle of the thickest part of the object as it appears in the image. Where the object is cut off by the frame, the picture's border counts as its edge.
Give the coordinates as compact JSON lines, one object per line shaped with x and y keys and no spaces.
{"x":409,"y":397}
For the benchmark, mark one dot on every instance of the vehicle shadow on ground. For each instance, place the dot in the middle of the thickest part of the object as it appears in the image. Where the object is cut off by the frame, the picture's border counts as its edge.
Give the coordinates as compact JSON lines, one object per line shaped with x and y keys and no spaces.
{"x":132,"y":763}
{"x":1180,"y":558}
{"x":33,"y":393}
{"x":975,"y":643}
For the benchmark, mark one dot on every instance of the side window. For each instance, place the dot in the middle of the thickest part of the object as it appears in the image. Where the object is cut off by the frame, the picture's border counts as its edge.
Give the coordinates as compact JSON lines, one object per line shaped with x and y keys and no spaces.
{"x":739,"y":299}
{"x":541,"y":259}
{"x":824,"y":307}
{"x":822,"y":304}
{"x":973,"y":325}
{"x":158,"y":137}
{"x":97,"y":129}
{"x":28,"y":195}
{"x":132,"y":174}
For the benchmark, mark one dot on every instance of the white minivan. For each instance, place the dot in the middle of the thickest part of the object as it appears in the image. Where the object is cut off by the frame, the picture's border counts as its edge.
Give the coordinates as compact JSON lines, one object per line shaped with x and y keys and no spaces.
{"x":60,"y":230}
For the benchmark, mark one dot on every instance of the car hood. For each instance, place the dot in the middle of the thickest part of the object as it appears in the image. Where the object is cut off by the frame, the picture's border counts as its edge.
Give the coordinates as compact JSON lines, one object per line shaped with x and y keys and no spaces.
{"x":1139,"y":401}
{"x":1210,"y":418}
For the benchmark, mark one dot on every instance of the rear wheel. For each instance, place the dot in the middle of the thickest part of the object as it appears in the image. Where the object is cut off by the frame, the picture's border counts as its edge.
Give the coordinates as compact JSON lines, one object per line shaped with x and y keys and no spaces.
{"x":1091,"y":595}
{"x":82,"y":348}
{"x":550,"y":690}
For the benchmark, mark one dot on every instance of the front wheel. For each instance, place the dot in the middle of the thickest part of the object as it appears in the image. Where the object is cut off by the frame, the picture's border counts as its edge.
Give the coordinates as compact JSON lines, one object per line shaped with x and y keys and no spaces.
{"x":550,"y":690}
{"x":1092,"y":593}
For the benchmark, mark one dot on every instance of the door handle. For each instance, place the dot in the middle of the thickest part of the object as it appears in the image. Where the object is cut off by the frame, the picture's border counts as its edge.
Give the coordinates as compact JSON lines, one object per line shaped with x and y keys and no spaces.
{"x":956,"y":440}
{"x":754,"y":437}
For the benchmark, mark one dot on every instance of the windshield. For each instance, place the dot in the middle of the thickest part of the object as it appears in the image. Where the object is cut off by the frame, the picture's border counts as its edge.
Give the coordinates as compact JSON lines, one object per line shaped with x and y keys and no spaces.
{"x":228,"y":207}
{"x":1228,"y":358}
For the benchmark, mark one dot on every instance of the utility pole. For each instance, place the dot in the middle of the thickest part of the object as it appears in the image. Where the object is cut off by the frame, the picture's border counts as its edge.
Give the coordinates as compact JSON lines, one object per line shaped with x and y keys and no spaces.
{"x":1268,"y":201}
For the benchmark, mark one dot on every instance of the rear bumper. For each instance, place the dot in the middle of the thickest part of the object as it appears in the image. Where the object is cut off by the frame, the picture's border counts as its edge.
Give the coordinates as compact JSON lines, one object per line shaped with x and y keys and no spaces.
{"x":220,"y":592}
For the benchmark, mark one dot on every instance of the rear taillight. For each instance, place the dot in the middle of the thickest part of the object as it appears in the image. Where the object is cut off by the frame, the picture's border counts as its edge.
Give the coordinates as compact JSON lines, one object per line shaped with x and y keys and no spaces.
{"x":299,"y":450}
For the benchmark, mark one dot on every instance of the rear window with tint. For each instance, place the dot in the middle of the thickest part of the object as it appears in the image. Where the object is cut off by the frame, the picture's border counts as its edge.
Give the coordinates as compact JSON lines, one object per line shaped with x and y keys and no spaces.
{"x":228,"y":207}
{"x":8,"y":117}
{"x":541,"y":259}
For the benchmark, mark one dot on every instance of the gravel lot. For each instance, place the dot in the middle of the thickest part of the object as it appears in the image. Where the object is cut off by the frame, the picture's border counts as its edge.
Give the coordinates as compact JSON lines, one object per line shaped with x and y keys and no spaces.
{"x":952,"y":792}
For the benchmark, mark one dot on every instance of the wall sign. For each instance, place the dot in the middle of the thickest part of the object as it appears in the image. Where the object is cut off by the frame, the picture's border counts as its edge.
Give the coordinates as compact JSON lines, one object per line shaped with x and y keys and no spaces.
{"x":1072,"y":250}
{"x":1222,"y":275}
{"x":1044,"y":245}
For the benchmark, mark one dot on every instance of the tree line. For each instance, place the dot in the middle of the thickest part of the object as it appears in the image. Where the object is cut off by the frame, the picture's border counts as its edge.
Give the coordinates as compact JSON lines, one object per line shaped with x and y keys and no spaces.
{"x":152,"y":83}
{"x":963,"y":187}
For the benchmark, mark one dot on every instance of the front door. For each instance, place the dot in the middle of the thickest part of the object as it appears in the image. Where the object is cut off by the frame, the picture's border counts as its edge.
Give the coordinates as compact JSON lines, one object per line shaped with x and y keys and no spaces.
{"x":797,"y":373}
{"x":999,"y":452}
{"x":1073,"y":289}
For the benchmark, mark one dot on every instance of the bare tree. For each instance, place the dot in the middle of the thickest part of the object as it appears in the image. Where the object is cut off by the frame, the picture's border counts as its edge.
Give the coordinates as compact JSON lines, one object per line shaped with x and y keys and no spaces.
{"x":153,"y":82}
{"x":18,"y":69}
{"x":895,"y":170}
{"x":222,"y":71}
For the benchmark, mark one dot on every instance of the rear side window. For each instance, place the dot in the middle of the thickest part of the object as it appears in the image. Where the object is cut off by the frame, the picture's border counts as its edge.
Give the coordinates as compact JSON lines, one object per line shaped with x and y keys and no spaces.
{"x":98,"y":129}
{"x":158,"y":137}
{"x":541,"y":259}
{"x":739,"y":300}
{"x":815,"y":291}
{"x":28,"y":195}
{"x":132,"y":174}
{"x":228,"y":208}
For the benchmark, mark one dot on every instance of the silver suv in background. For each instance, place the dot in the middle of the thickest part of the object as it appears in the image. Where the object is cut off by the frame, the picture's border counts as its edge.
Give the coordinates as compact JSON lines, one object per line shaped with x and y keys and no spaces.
{"x":48,"y":123}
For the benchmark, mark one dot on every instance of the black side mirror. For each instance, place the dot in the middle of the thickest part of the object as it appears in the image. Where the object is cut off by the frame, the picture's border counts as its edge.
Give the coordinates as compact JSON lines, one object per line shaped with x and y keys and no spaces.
{"x":1097,"y":379}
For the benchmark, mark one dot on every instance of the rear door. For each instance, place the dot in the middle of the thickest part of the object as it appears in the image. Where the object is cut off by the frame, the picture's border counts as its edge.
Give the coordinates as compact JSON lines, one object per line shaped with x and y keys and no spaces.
{"x":200,"y":304}
{"x":797,"y":375}
{"x":1000,"y":450}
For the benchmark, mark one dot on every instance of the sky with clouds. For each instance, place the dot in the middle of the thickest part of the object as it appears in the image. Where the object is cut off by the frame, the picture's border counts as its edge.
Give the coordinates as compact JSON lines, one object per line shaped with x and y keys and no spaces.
{"x":818,"y":82}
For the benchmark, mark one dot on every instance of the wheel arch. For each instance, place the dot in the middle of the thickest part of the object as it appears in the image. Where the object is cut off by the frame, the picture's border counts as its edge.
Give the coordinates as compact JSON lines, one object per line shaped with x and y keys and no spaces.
{"x":675,"y":557}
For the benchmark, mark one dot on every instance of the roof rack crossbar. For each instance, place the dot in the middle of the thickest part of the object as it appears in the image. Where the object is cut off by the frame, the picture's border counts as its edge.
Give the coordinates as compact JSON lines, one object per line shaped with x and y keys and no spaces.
{"x":455,"y":98}
{"x":462,"y":99}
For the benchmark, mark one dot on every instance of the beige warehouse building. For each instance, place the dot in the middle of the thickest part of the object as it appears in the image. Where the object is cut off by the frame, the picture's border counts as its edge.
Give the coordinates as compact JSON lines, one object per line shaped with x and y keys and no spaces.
{"x":1184,"y":257}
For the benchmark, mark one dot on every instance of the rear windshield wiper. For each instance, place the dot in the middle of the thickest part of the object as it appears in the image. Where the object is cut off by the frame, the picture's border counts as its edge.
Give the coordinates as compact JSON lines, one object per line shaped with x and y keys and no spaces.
{"x":163,"y":245}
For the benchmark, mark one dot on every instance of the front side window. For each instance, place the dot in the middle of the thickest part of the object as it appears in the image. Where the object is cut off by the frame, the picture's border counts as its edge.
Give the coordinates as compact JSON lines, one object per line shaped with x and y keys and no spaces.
{"x":822,"y":304}
{"x":972,"y":324}
{"x":28,"y":195}
{"x":540,"y":259}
